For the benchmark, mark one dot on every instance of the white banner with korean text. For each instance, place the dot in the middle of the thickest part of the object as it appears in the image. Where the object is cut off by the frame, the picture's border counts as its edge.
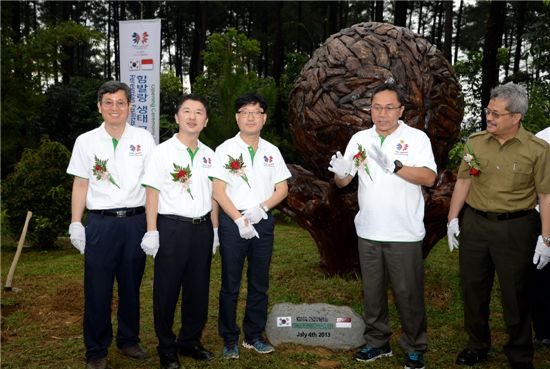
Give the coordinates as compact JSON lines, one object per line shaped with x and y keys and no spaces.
{"x":140,"y":69}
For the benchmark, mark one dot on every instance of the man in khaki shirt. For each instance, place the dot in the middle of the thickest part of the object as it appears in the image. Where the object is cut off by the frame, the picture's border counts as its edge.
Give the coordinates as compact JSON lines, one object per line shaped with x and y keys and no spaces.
{"x":503,"y":174}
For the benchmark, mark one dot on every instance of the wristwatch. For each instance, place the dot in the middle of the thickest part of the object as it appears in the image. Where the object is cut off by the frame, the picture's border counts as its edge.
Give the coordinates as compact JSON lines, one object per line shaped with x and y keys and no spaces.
{"x":266,"y":209}
{"x":398,"y":166}
{"x":546,"y":240}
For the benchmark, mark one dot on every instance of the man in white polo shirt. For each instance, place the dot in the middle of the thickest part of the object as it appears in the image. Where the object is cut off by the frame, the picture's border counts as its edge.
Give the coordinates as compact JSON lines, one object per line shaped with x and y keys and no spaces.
{"x":393,"y":161}
{"x":180,"y":215}
{"x":107,"y":164}
{"x":249,"y":178}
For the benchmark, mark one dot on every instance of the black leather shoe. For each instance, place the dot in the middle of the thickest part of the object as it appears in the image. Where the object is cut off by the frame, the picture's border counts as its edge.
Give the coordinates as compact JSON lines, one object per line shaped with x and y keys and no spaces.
{"x":197,"y":352}
{"x":470,"y":358}
{"x":169,"y":361}
{"x":97,"y":364}
{"x":134,"y":352}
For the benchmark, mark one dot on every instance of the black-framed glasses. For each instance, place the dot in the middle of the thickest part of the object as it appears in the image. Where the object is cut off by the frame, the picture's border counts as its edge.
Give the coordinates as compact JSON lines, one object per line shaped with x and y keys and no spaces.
{"x":488,"y":112}
{"x":254,"y":114}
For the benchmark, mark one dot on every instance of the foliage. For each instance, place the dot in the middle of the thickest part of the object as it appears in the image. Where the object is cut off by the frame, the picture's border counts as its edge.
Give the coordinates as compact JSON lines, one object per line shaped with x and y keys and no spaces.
{"x":170,"y":90}
{"x":69,"y":110}
{"x":538,"y":115}
{"x":39,"y":184}
{"x":229,"y":74}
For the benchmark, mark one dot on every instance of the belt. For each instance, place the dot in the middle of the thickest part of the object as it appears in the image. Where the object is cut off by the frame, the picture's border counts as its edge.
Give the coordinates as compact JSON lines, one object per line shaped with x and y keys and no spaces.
{"x":495,"y":217}
{"x":120,"y":213}
{"x":179,"y":218}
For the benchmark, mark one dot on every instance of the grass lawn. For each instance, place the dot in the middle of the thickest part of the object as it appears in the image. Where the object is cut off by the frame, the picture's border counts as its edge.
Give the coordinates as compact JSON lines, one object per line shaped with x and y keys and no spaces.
{"x":42,"y":324}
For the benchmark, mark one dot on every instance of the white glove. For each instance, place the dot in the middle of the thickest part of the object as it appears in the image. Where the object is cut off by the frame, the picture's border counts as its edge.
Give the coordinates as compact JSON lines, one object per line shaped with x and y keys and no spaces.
{"x":453,"y":231}
{"x":150,"y":243}
{"x":542,"y":254}
{"x":246,"y":230}
{"x":255,"y":214}
{"x":216,"y":242}
{"x":77,"y":234}
{"x":340,"y":165}
{"x":381,"y":159}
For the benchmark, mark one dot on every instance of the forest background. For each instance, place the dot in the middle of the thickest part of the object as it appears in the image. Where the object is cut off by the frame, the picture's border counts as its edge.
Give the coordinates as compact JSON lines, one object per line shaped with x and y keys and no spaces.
{"x":55,"y":55}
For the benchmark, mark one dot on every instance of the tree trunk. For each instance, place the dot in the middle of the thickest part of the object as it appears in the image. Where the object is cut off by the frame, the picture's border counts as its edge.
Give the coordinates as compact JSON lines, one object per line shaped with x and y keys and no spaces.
{"x":400,"y":13}
{"x":448,"y":44}
{"x":458,"y":27}
{"x":199,"y":38}
{"x":420,"y":19}
{"x":493,"y":40}
{"x":520,"y":27}
{"x":379,"y":11}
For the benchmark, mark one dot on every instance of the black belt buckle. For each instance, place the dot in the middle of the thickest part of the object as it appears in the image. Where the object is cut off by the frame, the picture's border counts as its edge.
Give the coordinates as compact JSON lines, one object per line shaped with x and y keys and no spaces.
{"x":120,"y":213}
{"x":197,"y":220}
{"x":494,"y":217}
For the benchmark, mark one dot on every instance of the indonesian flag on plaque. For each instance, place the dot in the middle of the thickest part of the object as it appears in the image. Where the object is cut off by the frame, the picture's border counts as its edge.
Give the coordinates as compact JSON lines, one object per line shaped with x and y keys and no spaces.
{"x":284,"y":321}
{"x":343,"y":322}
{"x":146,"y":64}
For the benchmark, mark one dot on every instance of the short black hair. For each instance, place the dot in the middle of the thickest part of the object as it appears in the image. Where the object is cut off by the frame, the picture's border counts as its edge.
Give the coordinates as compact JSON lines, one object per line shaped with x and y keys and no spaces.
{"x":193,"y":97}
{"x":391,"y":86}
{"x":250,"y":98}
{"x":111,"y":87}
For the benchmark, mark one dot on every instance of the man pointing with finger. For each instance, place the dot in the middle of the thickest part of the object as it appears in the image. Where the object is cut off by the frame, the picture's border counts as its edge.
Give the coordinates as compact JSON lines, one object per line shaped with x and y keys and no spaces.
{"x":392,"y":161}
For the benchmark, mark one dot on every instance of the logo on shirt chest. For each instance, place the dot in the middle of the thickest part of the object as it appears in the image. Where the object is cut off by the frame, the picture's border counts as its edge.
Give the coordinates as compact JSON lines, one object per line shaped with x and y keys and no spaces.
{"x":135,"y":150}
{"x":402,"y":148}
{"x":268,"y":161}
{"x":206,"y":162}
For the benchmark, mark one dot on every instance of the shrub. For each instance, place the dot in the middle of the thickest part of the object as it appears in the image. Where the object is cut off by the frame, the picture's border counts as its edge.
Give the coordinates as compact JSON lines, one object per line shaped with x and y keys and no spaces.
{"x":39,"y":184}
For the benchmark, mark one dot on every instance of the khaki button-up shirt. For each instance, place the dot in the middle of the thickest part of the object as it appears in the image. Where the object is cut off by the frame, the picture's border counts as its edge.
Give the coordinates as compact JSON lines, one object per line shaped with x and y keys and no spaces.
{"x":511,"y":175}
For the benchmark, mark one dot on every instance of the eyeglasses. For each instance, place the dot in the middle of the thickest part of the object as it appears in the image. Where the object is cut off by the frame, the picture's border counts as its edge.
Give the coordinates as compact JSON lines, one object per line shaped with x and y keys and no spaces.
{"x":254,"y":114}
{"x":110,"y":104}
{"x":488,"y":112}
{"x":379,"y":109}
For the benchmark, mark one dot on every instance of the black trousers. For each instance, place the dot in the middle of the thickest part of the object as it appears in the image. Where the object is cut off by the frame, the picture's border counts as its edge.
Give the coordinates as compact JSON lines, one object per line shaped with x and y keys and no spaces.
{"x":541,"y":302}
{"x":181,"y":264}
{"x":506,"y":247}
{"x":112,"y":251}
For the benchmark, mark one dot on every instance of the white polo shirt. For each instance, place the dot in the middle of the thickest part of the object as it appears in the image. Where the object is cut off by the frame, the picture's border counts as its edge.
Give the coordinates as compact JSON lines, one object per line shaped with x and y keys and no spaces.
{"x":255,"y":181}
{"x":544,"y":134}
{"x":390,"y":208}
{"x":189,"y":195}
{"x":114,"y":175}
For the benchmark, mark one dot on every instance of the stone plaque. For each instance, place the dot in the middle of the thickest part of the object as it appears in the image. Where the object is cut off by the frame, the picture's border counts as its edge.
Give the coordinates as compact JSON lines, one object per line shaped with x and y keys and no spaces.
{"x":338,"y":328}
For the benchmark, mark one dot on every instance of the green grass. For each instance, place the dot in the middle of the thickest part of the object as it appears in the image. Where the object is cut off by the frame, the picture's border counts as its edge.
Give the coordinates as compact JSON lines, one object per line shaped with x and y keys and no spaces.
{"x":42,"y":324}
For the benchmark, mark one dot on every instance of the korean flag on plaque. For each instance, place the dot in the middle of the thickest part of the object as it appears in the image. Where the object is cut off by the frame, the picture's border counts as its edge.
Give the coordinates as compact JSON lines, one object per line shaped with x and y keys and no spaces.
{"x":133,"y":65}
{"x":284,"y":321}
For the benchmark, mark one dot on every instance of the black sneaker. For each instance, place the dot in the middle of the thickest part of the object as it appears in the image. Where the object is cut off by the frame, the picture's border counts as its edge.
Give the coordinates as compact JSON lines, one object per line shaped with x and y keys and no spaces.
{"x":368,"y":353}
{"x":414,"y":360}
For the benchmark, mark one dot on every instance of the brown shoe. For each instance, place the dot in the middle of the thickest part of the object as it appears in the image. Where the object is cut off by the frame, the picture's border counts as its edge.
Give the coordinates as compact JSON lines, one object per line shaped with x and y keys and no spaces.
{"x":97,"y":364}
{"x":134,"y":352}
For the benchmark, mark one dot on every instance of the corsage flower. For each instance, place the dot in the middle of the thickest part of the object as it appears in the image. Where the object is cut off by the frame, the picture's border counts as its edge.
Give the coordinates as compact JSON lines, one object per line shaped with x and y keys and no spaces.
{"x":471,"y":159}
{"x":360,"y":159}
{"x":100,"y":171}
{"x":183,"y":176}
{"x":236,"y":166}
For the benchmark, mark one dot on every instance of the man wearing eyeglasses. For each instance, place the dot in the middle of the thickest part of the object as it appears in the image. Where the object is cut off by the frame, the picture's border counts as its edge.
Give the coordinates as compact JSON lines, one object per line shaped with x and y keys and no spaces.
{"x":393,"y":161}
{"x":501,"y":231}
{"x":249,"y":179}
{"x":107,"y":164}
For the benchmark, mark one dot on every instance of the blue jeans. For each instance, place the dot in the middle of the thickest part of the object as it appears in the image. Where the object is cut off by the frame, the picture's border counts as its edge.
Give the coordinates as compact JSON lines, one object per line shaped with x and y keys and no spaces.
{"x":234,"y":250}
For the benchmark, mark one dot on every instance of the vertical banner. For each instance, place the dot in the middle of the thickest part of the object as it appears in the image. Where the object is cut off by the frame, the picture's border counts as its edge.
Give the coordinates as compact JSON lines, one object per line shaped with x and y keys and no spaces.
{"x":140,"y":69}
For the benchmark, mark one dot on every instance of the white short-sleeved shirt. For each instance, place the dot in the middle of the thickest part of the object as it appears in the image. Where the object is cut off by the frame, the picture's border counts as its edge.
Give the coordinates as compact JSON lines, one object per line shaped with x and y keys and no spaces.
{"x":255,"y":181}
{"x":390,"y":208}
{"x":168,"y":172}
{"x":544,"y":134}
{"x":114,"y":175}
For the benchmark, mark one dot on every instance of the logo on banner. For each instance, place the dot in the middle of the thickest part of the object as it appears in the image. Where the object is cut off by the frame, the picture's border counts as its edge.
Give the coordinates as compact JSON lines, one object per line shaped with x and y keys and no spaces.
{"x":146,"y":64}
{"x":343,"y":322}
{"x":284,"y":321}
{"x":140,"y":40}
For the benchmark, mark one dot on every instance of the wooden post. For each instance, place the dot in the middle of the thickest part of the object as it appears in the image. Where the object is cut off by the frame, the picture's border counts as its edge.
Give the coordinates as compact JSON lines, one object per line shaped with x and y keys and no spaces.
{"x":9,"y":279}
